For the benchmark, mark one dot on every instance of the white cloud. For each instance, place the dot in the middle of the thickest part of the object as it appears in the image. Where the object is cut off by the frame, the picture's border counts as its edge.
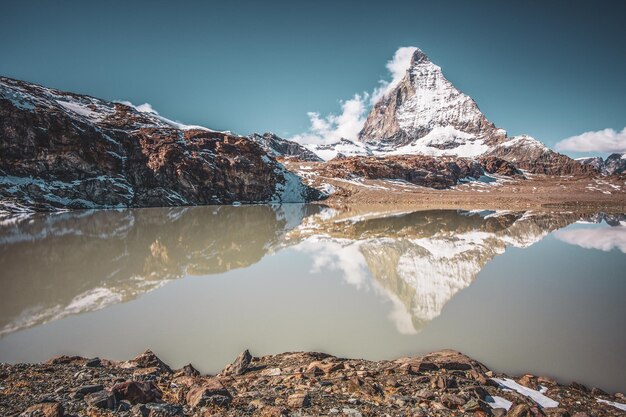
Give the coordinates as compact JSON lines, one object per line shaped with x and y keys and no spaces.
{"x":397,"y":67}
{"x":605,"y":238}
{"x":332,"y":127}
{"x":606,"y":140}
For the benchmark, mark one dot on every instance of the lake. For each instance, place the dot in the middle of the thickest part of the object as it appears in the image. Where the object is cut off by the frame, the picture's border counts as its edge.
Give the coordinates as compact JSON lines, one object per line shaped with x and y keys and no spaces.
{"x":520,"y":291}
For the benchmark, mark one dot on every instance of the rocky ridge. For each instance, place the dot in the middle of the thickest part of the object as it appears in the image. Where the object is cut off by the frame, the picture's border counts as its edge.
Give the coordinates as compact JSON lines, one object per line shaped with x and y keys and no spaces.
{"x":613,"y":164}
{"x":64,"y":150}
{"x":426,"y":171}
{"x":444,"y":383}
{"x":283,"y":148}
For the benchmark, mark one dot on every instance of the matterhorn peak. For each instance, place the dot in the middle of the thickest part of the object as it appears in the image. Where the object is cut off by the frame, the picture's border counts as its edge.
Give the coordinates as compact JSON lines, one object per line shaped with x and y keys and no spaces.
{"x":418,"y":57}
{"x":424,"y":101}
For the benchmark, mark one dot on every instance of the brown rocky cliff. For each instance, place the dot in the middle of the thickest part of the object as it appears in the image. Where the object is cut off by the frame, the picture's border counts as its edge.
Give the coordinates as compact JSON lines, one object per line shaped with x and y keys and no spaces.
{"x":62,"y":150}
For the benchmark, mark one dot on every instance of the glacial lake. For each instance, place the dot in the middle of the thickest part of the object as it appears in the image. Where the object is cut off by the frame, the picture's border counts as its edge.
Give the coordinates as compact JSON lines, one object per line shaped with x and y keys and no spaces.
{"x":520,"y":291}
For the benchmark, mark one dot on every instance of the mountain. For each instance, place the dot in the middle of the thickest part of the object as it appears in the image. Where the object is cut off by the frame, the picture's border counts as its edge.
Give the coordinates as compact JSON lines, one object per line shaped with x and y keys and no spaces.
{"x":425,"y":104}
{"x":279,"y":147}
{"x":424,"y":114}
{"x":65,"y":150}
{"x":613,"y":164}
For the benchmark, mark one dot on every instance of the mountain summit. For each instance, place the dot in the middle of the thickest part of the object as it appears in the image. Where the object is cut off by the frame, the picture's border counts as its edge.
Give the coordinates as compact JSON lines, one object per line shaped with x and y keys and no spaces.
{"x":424,"y":106}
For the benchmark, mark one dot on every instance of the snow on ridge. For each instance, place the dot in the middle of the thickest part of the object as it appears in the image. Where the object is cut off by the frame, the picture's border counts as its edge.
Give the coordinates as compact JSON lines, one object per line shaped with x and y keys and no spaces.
{"x":536,"y":396}
{"x":617,"y":405}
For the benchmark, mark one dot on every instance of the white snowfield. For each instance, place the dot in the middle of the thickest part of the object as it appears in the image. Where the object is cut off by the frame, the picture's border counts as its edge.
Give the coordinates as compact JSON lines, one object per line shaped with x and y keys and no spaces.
{"x":536,"y":396}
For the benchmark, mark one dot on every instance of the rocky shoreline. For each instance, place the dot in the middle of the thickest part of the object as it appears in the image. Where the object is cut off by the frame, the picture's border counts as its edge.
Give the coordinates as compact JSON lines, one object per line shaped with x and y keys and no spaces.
{"x":444,"y":383}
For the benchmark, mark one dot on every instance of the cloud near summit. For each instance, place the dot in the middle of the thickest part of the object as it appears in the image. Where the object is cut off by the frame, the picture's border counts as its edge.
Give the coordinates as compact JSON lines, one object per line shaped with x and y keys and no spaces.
{"x":332,"y":127}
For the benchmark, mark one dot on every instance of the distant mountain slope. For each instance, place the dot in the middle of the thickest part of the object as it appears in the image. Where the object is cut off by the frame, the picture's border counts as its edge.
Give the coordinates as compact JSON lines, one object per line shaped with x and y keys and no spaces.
{"x":64,"y":150}
{"x":613,"y":164}
{"x":279,"y":147}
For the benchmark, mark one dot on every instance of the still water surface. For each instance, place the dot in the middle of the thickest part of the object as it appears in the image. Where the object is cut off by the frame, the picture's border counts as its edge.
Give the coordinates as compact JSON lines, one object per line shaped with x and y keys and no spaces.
{"x":521,"y":292}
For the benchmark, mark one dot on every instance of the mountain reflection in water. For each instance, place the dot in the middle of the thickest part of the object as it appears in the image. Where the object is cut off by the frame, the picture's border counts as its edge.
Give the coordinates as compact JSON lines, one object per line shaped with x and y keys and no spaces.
{"x":70,"y":263}
{"x":333,"y":264}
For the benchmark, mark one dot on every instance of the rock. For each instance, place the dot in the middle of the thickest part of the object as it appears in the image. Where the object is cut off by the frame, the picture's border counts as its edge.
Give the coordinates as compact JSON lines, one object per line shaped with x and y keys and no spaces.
{"x":579,"y":387}
{"x":441,"y":382}
{"x":211,"y":392}
{"x":149,"y":360}
{"x":48,"y":409}
{"x":102,"y":399}
{"x":87,"y":389}
{"x":157,"y":410}
{"x":273,"y":411}
{"x":499,"y":166}
{"x":137,"y":392}
{"x":452,"y":401}
{"x":351,"y":412}
{"x":271,"y":372}
{"x":596,"y":392}
{"x":189,"y":370}
{"x":92,"y":363}
{"x":426,"y":394}
{"x":299,"y":400}
{"x":519,"y":410}
{"x":240,"y":365}
{"x":64,"y":360}
{"x":556,"y":412}
{"x":529,"y":381}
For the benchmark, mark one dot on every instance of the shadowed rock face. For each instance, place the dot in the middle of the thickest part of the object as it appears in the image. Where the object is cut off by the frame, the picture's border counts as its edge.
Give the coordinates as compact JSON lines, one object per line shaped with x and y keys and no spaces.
{"x":63,"y":150}
{"x":426,"y":171}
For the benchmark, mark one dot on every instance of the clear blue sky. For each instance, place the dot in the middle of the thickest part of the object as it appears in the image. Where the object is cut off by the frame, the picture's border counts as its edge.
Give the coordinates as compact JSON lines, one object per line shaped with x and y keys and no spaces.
{"x":549,"y":70}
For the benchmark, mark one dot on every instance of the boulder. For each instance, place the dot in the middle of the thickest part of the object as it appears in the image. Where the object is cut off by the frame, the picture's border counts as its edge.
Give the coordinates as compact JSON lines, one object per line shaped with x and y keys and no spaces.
{"x":137,"y":392}
{"x":102,"y":399}
{"x":211,"y":392}
{"x":299,"y":400}
{"x":240,"y":365}
{"x":149,"y":360}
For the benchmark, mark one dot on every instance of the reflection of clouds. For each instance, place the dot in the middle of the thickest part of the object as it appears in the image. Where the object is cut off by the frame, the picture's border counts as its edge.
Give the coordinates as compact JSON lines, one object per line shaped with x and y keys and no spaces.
{"x":337,"y":255}
{"x":346,"y":256}
{"x":605,"y":238}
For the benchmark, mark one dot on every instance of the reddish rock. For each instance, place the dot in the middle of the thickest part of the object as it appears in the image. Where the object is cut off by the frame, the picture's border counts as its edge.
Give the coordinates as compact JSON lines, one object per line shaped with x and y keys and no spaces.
{"x":299,"y":400}
{"x":137,"y":392}
{"x":51,"y":409}
{"x":211,"y":392}
{"x":149,"y":360}
{"x":240,"y":365}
